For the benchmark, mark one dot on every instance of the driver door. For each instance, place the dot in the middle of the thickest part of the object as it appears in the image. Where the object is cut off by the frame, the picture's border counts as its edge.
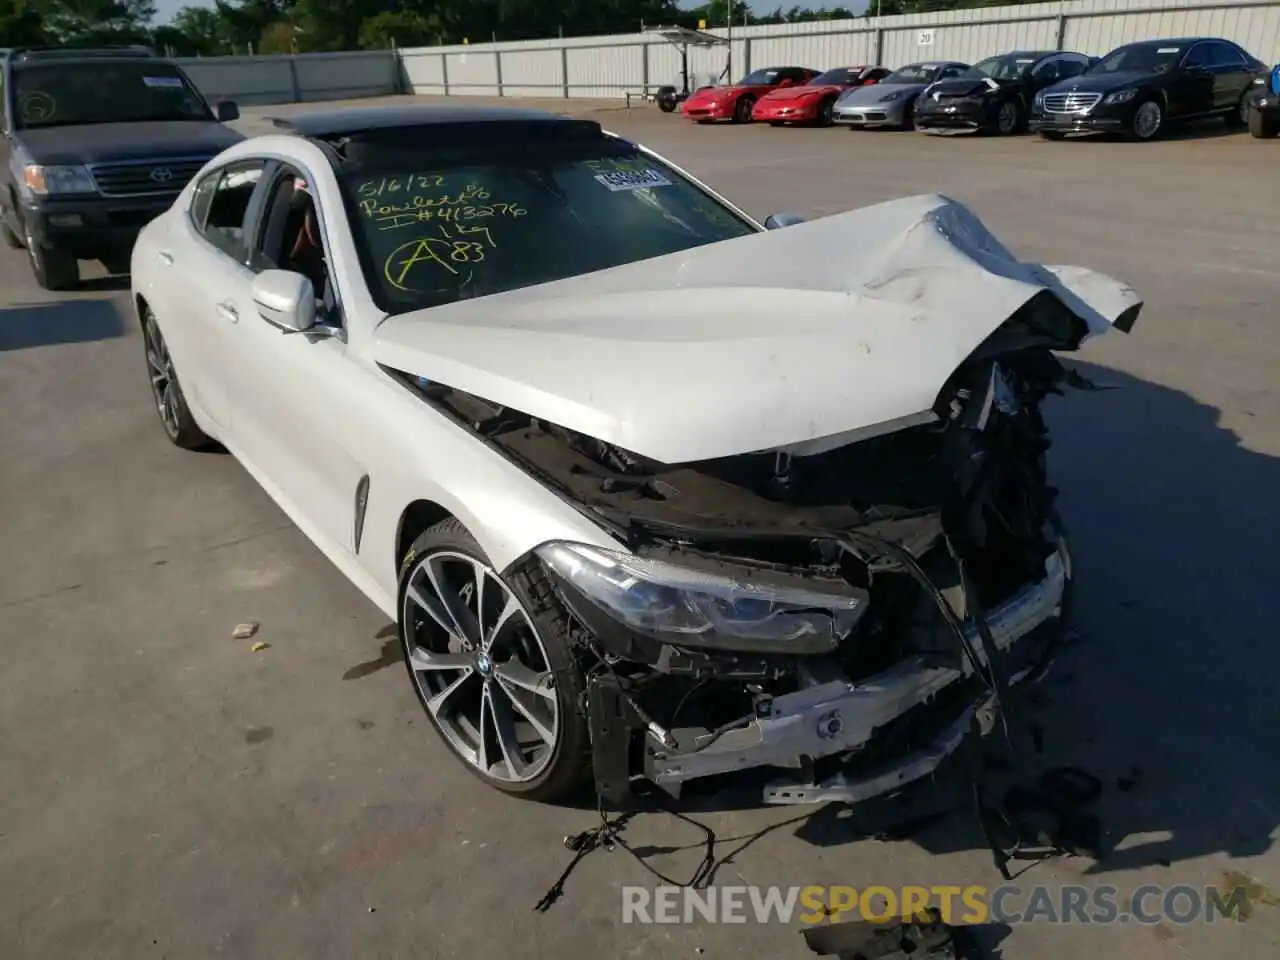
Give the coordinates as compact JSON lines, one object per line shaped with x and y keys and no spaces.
{"x":286,"y":389}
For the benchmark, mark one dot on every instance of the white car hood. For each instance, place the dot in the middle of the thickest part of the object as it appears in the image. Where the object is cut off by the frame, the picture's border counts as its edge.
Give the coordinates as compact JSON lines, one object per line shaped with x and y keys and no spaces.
{"x":842,"y":327}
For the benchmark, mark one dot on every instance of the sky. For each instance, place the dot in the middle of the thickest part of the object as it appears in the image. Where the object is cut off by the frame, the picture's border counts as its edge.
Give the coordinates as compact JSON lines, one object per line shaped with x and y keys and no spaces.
{"x":165,"y":9}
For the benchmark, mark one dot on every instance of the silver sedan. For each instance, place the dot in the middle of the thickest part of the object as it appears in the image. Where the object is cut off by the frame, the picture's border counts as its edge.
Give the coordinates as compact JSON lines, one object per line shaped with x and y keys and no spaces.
{"x":891,"y":102}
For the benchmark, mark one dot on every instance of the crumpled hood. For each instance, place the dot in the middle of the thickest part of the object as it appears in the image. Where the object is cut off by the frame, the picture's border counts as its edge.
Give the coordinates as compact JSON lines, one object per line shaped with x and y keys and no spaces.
{"x":866,"y":96}
{"x":969,"y":87}
{"x":849,"y":324}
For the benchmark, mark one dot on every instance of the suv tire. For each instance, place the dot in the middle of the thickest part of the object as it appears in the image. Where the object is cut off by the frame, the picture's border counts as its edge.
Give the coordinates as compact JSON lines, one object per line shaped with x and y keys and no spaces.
{"x":53,"y":269}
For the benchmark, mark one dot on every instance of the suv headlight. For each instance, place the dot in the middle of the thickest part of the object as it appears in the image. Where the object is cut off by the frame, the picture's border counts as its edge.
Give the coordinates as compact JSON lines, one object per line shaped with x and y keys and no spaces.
{"x":54,"y":180}
{"x":1121,"y":96}
{"x":695,"y":608}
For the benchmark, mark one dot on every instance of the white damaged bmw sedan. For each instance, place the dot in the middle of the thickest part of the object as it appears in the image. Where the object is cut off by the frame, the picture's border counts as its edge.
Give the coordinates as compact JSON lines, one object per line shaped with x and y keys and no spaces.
{"x":655,"y":492}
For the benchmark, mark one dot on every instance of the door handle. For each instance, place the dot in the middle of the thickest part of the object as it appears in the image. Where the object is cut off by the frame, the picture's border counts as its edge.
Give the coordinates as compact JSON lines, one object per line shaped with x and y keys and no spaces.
{"x":165,"y":257}
{"x":228,"y":311}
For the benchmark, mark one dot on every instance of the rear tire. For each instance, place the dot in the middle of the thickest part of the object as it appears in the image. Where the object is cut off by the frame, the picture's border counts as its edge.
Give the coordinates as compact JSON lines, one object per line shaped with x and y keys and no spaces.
{"x":175,"y":416}
{"x":1262,"y":127}
{"x":11,"y":239}
{"x":667,"y":102}
{"x":542,"y":635}
{"x":743,"y":108}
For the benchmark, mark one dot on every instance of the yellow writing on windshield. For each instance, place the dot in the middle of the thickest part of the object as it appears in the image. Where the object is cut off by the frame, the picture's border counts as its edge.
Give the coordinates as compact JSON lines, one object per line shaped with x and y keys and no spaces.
{"x":407,"y":182}
{"x":458,"y":247}
{"x":393,"y":206}
{"x":37,"y":106}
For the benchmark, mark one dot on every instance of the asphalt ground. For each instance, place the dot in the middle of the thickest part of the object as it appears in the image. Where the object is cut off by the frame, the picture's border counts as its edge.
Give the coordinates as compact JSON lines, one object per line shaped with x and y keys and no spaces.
{"x":167,"y":792}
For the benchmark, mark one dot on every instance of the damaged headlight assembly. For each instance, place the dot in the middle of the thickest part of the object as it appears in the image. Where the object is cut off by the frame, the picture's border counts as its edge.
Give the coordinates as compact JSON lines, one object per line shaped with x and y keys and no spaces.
{"x":686,"y":607}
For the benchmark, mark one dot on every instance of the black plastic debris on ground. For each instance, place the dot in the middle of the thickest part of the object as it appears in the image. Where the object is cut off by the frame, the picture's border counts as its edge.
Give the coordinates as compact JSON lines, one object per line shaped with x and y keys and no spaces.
{"x":926,"y":938}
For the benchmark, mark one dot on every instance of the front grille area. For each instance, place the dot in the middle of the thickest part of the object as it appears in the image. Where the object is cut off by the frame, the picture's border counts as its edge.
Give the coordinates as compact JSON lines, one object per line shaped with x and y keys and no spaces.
{"x":146,"y":177}
{"x":1071,"y":102}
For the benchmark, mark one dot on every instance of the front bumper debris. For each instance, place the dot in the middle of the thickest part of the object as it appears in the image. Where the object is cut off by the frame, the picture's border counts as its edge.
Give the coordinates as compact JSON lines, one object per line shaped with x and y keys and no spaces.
{"x":957,"y":114}
{"x":841,"y":717}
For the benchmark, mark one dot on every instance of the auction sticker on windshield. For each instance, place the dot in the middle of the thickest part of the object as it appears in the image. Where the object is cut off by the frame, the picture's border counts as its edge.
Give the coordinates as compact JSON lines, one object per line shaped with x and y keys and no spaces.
{"x":170,"y":82}
{"x":616,"y":180}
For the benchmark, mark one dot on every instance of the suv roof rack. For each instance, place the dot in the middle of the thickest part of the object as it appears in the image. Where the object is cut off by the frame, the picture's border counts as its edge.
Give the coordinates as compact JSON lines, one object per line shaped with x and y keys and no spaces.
{"x":72,"y":53}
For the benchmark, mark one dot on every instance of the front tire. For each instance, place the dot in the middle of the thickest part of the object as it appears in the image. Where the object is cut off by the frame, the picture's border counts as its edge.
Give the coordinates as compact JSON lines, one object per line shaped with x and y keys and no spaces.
{"x":1147,"y":122}
{"x":1239,"y":117}
{"x":11,"y":239}
{"x":1008,"y":119}
{"x":53,"y":269}
{"x":492,"y":664}
{"x":743,"y":109}
{"x":175,"y":416}
{"x":827,"y":112}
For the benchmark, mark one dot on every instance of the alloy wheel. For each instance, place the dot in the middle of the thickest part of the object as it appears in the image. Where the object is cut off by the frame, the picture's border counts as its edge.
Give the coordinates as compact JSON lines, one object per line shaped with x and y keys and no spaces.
{"x":164,"y":383}
{"x":480,"y":667}
{"x":1147,"y":119}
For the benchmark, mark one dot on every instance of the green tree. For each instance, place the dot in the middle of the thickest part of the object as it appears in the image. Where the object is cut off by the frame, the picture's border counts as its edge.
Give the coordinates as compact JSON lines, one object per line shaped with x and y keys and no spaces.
{"x":87,"y":22}
{"x":401,"y":28}
{"x":202,"y":28}
{"x":20,"y":24}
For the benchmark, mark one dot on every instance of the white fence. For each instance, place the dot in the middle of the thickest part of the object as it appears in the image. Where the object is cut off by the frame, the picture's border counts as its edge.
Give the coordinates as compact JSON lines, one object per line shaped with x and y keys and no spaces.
{"x":615,"y":65}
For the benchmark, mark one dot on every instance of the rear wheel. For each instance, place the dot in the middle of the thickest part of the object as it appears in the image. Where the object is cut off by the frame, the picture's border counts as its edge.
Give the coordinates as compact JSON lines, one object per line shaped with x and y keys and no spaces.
{"x":743,"y":108}
{"x":1262,"y":127}
{"x":490,"y":660}
{"x":179,"y":426}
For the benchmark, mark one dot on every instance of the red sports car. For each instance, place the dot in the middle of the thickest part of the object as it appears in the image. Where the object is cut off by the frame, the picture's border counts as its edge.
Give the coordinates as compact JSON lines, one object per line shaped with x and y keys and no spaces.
{"x":815,"y":101}
{"x":735,"y":103}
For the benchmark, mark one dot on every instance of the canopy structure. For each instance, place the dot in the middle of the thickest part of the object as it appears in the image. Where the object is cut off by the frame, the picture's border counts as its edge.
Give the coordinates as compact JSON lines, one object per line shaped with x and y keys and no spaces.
{"x":682,"y":38}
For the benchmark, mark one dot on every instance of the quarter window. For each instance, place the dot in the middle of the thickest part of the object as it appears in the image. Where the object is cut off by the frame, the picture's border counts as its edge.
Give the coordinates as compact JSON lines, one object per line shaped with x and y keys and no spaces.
{"x":1224,"y":55}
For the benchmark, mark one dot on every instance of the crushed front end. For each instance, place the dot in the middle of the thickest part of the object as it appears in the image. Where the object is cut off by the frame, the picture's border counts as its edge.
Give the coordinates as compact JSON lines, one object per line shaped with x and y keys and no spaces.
{"x":840,"y":615}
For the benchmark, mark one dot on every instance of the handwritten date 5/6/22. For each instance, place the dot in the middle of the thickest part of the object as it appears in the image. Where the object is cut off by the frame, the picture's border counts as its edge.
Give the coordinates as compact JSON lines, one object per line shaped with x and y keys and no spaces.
{"x":410,"y":181}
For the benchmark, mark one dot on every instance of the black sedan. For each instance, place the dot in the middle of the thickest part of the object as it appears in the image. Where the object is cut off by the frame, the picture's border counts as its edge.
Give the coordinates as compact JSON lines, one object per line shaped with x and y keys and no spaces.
{"x":994,"y":95}
{"x":1140,"y":88}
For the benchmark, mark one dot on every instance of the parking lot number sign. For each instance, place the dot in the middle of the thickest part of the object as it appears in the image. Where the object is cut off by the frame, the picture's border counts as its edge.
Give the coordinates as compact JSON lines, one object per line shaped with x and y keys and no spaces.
{"x":924,"y":38}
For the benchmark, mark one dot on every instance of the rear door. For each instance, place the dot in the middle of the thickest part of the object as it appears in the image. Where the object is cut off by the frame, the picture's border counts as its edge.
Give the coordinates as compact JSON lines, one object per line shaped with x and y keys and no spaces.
{"x":1232,"y":74}
{"x":206,"y":251}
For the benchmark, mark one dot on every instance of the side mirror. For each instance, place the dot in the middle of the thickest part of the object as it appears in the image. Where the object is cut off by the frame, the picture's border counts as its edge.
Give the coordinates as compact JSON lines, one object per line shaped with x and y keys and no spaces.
{"x":285,"y":299}
{"x":226,"y":111}
{"x":779,"y":220}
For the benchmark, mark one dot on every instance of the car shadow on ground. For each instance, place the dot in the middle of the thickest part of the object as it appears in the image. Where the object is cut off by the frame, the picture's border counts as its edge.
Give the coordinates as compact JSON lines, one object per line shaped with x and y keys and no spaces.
{"x":65,"y":321}
{"x":1167,"y":695}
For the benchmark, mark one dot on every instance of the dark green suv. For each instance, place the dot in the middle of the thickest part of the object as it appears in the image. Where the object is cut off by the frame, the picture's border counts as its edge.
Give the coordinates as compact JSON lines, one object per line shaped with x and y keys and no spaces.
{"x":93,"y":144}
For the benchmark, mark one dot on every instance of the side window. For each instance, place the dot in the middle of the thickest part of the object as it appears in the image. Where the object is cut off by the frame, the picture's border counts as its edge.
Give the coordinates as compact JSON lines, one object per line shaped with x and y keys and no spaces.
{"x":1072,"y":68}
{"x":228,"y":204}
{"x":1197,"y":56}
{"x":797,"y":75}
{"x":1046,"y":73}
{"x":1225,"y":55}
{"x":952,"y":71}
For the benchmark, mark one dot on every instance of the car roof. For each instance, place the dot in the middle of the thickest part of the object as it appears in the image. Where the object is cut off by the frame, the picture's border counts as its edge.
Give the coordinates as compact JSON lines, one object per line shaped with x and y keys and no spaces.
{"x":1169,"y":40}
{"x":326,"y":124}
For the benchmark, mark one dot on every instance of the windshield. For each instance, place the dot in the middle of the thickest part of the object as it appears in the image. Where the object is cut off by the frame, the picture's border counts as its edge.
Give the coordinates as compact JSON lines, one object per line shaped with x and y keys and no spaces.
{"x":837,"y":78}
{"x":487,"y":221}
{"x":1008,"y":67}
{"x":1139,"y":58}
{"x":62,"y":94}
{"x":761,"y":78}
{"x":916,"y":73}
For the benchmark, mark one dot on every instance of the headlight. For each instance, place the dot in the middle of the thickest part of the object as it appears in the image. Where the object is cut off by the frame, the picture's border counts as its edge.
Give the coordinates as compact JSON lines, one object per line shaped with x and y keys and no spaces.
{"x":1039,"y":98}
{"x":891,"y":96}
{"x":1121,"y":96}
{"x":692,"y":608}
{"x":50,"y":180}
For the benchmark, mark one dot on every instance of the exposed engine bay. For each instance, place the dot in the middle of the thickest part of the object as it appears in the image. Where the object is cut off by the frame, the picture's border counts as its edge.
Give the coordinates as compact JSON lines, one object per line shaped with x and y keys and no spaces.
{"x":938,"y":571}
